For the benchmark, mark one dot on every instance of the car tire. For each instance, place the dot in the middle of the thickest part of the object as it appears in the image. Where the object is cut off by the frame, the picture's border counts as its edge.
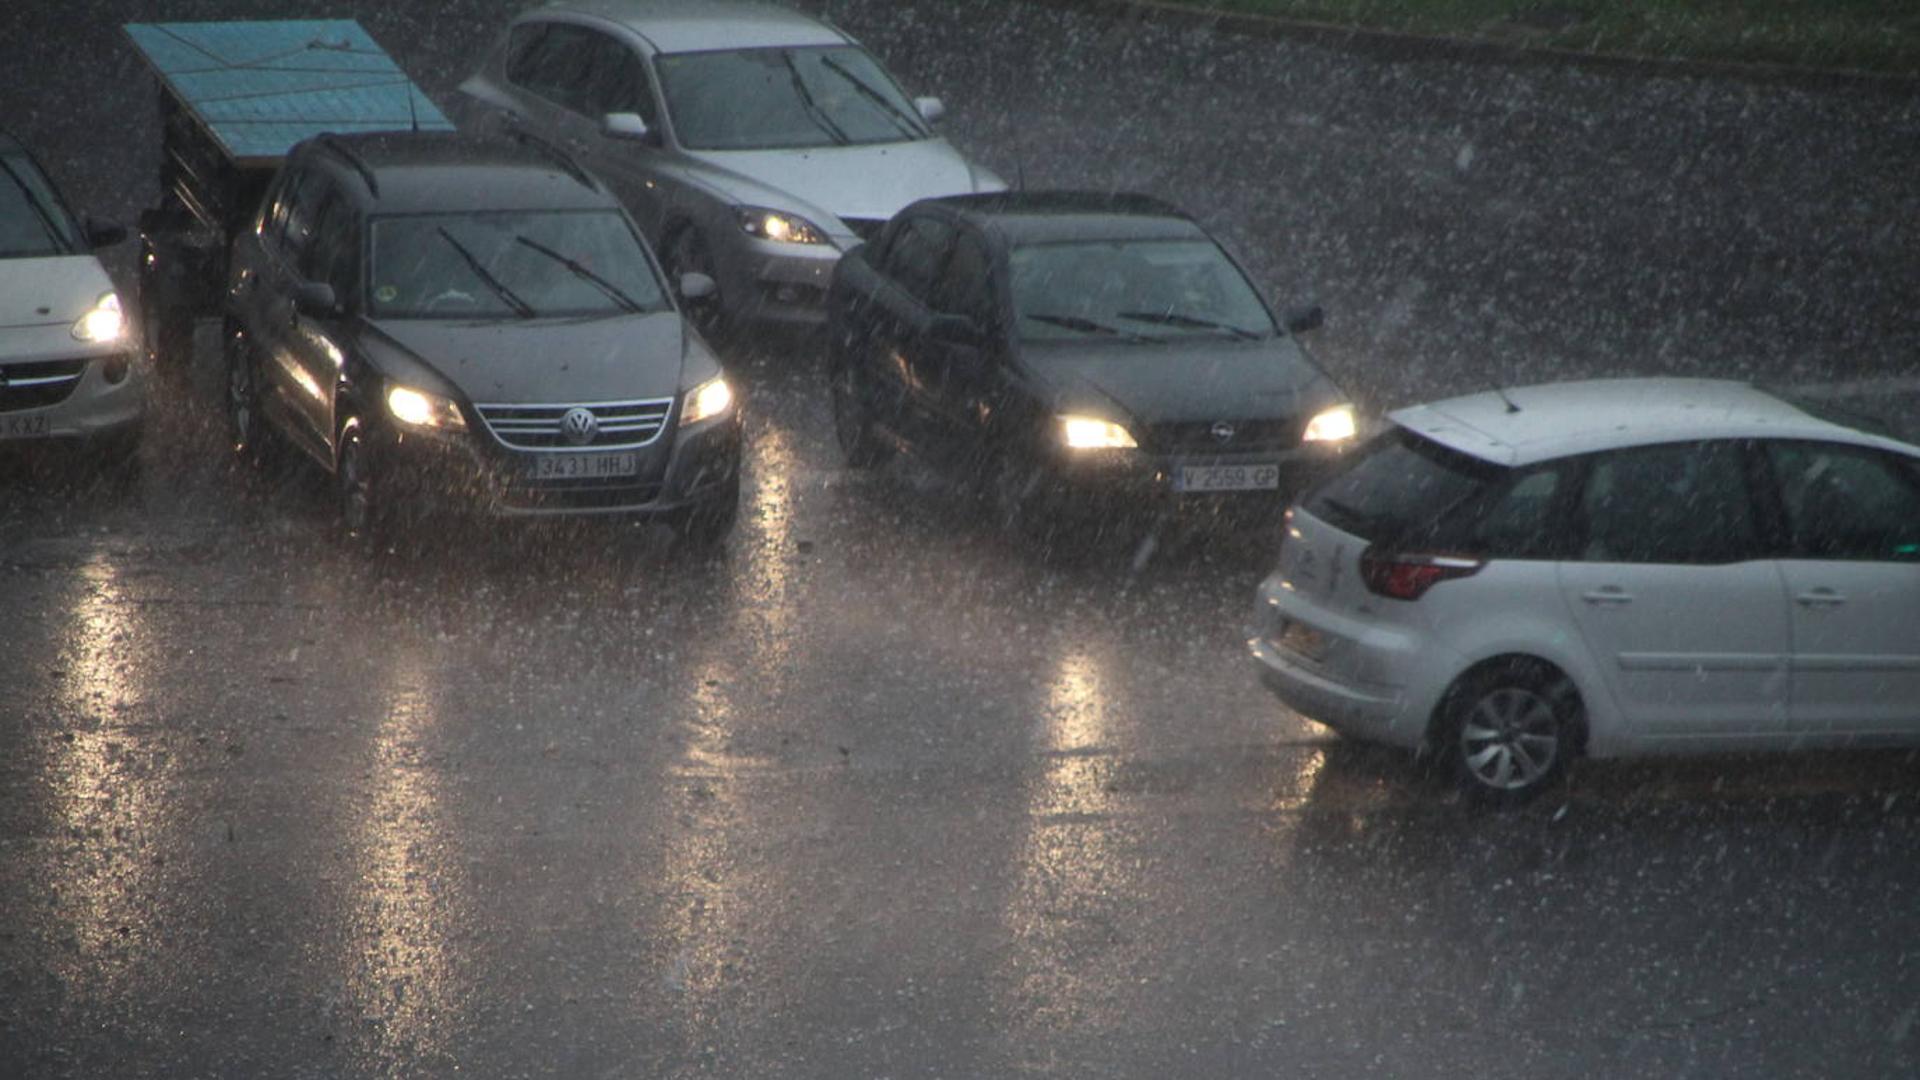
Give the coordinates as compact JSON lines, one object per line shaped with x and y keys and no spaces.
{"x":686,"y":251}
{"x":246,"y":427}
{"x":704,"y":529}
{"x":357,"y":489}
{"x":1509,"y":729}
{"x":852,"y":425}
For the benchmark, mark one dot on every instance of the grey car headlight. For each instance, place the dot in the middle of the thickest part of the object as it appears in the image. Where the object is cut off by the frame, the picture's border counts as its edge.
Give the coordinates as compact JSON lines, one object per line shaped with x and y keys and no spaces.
{"x":781,"y":228}
{"x":706,"y":401}
{"x":419,"y":408}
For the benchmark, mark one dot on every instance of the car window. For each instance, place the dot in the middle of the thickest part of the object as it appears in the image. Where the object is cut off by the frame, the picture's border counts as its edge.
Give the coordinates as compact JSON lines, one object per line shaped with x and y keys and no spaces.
{"x":555,"y":64}
{"x":1672,"y":503}
{"x":32,"y":220}
{"x":964,"y":286}
{"x":761,"y":99}
{"x":499,"y":264}
{"x":1846,"y":502}
{"x":292,"y":223}
{"x":1401,"y":486}
{"x":1066,"y":290}
{"x":914,"y":255}
{"x":616,"y":81}
{"x":1517,"y":516}
{"x":333,"y":254}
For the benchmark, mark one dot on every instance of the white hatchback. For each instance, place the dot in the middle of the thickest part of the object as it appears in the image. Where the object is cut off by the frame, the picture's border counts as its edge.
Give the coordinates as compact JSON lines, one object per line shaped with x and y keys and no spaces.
{"x":67,"y":366}
{"x":1607,"y":567}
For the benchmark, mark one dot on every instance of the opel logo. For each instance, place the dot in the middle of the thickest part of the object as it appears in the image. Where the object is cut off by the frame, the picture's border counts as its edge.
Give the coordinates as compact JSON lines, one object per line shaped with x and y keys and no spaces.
{"x":579,"y":426}
{"x":1222,"y":431}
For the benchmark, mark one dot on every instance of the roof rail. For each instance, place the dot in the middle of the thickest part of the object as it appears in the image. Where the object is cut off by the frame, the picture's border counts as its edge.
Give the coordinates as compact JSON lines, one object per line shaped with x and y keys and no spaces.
{"x":560,"y":157}
{"x":332,"y":142}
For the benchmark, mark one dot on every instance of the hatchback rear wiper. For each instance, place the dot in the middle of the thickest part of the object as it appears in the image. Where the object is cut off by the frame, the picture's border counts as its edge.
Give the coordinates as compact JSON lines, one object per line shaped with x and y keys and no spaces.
{"x":612,"y":291}
{"x":1086,"y":326}
{"x":1175,"y":318}
{"x":906,"y":123}
{"x":520,"y":307}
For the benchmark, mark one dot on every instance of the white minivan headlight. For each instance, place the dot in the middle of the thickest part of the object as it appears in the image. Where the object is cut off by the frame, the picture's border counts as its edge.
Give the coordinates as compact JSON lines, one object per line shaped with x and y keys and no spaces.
{"x":103,"y":322}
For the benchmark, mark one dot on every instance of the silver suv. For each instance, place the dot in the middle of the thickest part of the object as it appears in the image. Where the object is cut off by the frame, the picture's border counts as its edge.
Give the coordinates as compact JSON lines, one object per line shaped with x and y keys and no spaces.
{"x":753,"y":144}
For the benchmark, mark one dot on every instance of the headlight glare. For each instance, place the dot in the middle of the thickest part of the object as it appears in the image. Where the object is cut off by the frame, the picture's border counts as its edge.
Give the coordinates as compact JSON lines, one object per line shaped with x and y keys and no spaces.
{"x":103,"y":322}
{"x":779,"y":227}
{"x":1093,"y":433}
{"x":1332,"y":425}
{"x":419,"y":408}
{"x":706,"y":401}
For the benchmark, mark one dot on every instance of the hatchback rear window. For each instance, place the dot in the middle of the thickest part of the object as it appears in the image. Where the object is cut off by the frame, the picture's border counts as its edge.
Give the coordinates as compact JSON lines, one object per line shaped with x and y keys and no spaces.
{"x":1400,"y":485}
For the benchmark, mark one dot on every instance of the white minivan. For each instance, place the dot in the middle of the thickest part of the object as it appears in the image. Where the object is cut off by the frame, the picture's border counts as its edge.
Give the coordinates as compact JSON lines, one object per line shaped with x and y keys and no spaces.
{"x":1617,"y":566}
{"x":68,"y":367}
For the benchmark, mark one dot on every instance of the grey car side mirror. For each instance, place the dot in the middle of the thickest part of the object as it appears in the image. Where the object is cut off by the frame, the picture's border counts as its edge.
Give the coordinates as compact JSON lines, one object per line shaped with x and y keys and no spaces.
{"x":930,"y":108}
{"x":315,"y":299}
{"x":697,"y":286}
{"x":625,"y":125}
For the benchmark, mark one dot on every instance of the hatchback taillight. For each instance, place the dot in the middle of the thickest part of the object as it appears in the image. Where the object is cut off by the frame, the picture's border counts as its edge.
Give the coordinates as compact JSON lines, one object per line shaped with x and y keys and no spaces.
{"x":1404,"y":576}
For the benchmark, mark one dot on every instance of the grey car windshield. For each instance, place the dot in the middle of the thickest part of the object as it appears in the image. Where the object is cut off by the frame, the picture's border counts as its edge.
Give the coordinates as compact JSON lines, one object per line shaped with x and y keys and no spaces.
{"x":761,"y":99}
{"x":509,"y":264}
{"x":1132,"y":289}
{"x":32,"y":221}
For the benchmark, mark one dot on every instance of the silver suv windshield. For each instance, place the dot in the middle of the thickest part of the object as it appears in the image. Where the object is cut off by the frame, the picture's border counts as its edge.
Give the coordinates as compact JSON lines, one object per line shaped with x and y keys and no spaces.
{"x":509,"y":264}
{"x":32,"y":221}
{"x":764,"y":99}
{"x":1132,"y":290}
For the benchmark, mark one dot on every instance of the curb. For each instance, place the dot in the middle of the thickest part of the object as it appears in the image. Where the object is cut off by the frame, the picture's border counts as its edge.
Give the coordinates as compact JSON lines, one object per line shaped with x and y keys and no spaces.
{"x":1398,"y":46}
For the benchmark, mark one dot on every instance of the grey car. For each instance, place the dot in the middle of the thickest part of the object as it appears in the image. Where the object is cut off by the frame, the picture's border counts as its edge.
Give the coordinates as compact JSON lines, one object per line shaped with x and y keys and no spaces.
{"x":752,"y":143}
{"x":441,"y":321}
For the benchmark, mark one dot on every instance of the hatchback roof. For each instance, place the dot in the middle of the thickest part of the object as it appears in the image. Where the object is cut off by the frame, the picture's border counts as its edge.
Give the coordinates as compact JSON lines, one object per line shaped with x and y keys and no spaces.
{"x":1530,"y":424}
{"x":694,"y":25}
{"x":420,"y":172}
{"x":1034,"y":217}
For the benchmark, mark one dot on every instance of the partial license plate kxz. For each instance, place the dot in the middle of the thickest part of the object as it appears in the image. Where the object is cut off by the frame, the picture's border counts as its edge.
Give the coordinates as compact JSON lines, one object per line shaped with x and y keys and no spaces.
{"x":1227,"y":478}
{"x":599,"y":466}
{"x":23,"y":427}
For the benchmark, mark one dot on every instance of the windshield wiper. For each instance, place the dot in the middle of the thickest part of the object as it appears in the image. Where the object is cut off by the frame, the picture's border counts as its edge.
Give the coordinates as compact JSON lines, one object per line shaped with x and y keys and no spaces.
{"x":613,"y":292}
{"x":1175,"y":318}
{"x":814,"y":111}
{"x":1086,"y":326}
{"x":520,"y":307}
{"x":907,"y":123}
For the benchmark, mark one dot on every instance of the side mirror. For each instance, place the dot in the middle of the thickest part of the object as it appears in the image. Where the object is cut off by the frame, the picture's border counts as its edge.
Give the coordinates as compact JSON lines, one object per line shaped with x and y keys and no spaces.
{"x":1301,"y":320}
{"x":102,"y":233}
{"x":697,"y":286}
{"x":626,"y":125}
{"x":929,"y":108}
{"x":315,"y":299}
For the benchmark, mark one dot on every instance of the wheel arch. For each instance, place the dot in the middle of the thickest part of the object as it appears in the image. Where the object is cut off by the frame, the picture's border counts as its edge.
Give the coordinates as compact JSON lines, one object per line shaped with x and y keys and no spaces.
{"x":1514,"y":658}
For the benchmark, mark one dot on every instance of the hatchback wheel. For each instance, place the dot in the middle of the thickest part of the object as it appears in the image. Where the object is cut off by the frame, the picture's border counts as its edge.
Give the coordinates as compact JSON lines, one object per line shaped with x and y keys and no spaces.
{"x":357,"y":488}
{"x":851,"y":424}
{"x":1510,"y":730}
{"x":244,"y":426}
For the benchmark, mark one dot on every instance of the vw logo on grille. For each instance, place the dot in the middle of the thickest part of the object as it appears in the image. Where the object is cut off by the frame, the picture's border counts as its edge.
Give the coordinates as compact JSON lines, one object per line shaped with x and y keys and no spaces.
{"x":579,"y":426}
{"x":1221,"y":431}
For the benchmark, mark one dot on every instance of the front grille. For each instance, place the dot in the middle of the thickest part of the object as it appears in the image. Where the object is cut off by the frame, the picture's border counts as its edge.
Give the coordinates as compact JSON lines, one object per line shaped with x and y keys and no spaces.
{"x":619,"y":425}
{"x":865,"y":228}
{"x":37,"y":384}
{"x":1249,"y":436}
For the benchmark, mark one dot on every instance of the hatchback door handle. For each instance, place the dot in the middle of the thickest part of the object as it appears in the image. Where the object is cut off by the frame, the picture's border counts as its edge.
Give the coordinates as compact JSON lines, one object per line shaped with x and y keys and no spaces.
{"x":1820,"y":598}
{"x":1608,"y":595}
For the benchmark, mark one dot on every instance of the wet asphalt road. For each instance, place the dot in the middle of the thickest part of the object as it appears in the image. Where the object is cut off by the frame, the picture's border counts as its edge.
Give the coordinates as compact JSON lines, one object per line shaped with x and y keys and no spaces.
{"x":879,"y":794}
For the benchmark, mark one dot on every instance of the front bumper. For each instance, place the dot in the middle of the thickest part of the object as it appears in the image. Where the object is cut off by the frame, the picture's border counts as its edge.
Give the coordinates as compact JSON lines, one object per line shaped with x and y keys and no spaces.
{"x":782,"y":284}
{"x":72,"y":398}
{"x":1105,"y":482}
{"x":471,"y":474}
